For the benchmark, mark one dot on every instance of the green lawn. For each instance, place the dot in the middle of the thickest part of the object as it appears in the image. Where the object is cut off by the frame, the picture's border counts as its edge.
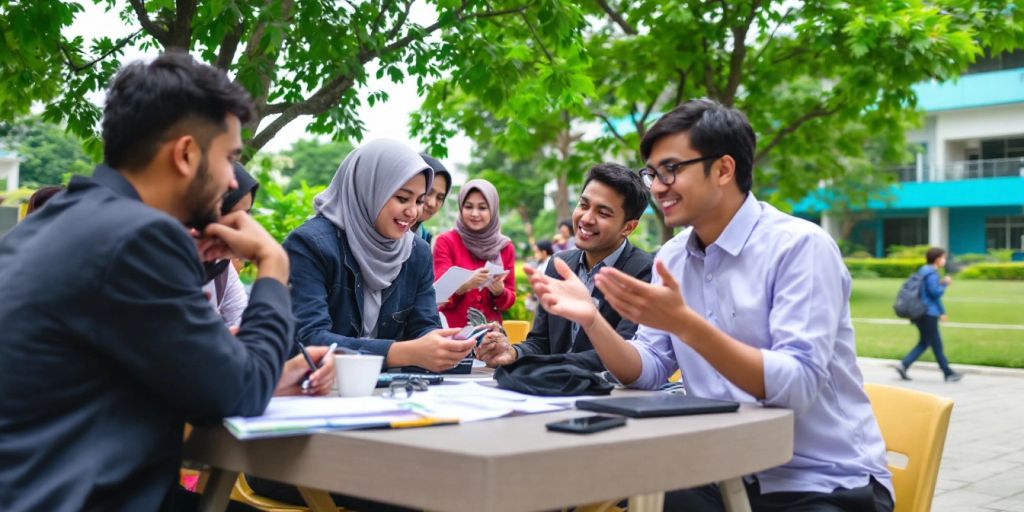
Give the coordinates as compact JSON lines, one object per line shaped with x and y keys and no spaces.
{"x":990,"y":302}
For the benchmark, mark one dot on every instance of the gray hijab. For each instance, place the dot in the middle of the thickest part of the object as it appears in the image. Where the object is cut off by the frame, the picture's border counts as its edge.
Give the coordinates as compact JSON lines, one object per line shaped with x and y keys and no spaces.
{"x":488,"y":242}
{"x":364,"y":182}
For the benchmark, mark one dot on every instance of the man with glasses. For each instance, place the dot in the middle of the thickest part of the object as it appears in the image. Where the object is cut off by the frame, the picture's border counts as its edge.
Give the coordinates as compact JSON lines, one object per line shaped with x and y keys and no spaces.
{"x":751,"y":305}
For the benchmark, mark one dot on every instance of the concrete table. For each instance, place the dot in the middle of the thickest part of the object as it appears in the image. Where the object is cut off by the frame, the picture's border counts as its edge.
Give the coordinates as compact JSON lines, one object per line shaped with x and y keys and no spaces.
{"x":509,"y":464}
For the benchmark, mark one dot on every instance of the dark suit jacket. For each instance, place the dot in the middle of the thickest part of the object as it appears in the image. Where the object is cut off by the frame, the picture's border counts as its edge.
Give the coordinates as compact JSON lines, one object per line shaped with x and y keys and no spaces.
{"x":109,"y":345}
{"x":328,"y":296}
{"x":553,"y":334}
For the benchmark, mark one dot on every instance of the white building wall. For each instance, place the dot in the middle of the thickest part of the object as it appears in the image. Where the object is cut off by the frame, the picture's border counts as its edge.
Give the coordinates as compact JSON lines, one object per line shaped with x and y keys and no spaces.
{"x":956,"y":130}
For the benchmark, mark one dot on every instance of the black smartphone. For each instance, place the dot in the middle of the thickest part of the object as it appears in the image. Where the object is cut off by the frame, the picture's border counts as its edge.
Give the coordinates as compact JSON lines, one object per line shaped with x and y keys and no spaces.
{"x":587,"y":424}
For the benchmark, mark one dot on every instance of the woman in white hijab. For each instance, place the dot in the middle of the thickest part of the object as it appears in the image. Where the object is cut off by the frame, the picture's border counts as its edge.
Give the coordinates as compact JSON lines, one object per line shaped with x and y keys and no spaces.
{"x":359,"y":276}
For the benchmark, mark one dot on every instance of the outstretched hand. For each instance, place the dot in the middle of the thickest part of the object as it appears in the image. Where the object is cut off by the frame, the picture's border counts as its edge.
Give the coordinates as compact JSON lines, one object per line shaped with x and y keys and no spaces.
{"x":568,"y":298}
{"x":659,"y":306}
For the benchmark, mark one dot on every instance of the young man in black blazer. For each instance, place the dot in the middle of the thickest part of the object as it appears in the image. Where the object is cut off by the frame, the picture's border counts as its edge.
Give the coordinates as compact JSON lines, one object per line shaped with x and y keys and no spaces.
{"x":609,"y":209}
{"x":109,"y":343}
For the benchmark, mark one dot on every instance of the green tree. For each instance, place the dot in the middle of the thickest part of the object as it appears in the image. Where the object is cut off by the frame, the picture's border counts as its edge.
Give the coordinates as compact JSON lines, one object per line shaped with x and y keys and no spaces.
{"x":47,"y":152}
{"x":314,"y":162}
{"x":819,"y":80}
{"x":296,"y":57}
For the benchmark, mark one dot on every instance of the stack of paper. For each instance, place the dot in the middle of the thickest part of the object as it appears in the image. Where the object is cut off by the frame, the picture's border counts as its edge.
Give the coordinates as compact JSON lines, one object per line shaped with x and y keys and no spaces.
{"x":289,"y":416}
{"x":455,"y":277}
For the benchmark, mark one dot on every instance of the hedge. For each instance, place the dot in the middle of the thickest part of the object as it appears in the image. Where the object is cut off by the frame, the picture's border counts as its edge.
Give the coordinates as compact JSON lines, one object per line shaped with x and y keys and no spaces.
{"x":889,"y":267}
{"x":1008,"y":271}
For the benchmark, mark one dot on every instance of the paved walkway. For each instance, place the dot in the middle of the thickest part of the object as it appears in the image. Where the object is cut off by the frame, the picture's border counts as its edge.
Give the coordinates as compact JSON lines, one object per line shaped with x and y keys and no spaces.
{"x":983,"y":463}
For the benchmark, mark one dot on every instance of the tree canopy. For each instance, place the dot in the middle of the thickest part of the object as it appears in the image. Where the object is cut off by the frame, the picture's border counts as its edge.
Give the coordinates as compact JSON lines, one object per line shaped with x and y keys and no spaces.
{"x":820,"y":80}
{"x":296,"y":57}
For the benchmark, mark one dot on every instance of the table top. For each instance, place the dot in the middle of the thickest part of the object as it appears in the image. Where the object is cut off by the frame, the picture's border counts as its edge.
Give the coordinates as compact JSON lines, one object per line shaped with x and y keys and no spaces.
{"x":512,"y":463}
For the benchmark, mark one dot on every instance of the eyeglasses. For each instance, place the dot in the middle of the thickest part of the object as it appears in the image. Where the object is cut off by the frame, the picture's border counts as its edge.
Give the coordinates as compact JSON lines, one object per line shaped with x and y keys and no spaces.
{"x":667,"y":174}
{"x":399,"y":388}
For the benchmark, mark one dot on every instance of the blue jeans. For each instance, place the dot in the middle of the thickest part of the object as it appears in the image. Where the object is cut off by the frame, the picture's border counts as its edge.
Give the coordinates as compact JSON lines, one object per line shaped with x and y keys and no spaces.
{"x":928,"y":326}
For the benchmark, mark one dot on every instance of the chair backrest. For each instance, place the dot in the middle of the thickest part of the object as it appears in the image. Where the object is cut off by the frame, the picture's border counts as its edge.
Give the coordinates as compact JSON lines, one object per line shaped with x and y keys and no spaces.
{"x":914,"y":427}
{"x":516,"y":330}
{"x":243,"y":493}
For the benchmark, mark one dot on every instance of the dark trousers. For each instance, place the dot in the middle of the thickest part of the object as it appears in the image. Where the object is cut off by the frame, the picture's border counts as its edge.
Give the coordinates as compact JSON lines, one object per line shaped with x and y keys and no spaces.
{"x":873,"y":497}
{"x":928,"y":326}
{"x":290,"y":494}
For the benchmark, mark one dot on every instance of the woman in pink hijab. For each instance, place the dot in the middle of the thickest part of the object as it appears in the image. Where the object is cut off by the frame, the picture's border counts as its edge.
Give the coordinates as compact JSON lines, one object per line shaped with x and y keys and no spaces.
{"x":477,"y":244}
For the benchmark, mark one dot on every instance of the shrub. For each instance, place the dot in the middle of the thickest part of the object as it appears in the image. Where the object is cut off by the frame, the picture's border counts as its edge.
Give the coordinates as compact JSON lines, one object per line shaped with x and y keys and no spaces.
{"x":1003,"y":271}
{"x":974,"y":258}
{"x":1001,"y":255}
{"x":908,"y":252}
{"x":888,"y":267}
{"x":850,"y":249}
{"x":518,"y":310}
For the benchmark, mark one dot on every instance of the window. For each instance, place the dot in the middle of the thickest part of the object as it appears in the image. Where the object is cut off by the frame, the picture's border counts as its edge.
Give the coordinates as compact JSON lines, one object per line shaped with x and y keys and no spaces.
{"x":908,"y":231}
{"x":999,"y":62}
{"x":1004,"y":232}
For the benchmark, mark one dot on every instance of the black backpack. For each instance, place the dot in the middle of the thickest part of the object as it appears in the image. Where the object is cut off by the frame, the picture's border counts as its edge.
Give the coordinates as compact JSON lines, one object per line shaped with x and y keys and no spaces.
{"x":908,"y":301}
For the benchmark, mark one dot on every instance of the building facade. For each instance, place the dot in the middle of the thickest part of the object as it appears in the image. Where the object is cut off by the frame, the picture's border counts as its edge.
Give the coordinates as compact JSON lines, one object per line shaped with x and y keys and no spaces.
{"x":965,"y":191}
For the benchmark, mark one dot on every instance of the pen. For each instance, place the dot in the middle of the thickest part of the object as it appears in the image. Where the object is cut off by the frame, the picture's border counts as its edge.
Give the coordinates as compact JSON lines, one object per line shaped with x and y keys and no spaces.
{"x":309,"y":361}
{"x":330,"y":352}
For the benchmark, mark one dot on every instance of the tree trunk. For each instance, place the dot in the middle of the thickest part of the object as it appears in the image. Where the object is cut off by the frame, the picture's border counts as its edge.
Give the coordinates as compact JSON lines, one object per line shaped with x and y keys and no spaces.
{"x":562,"y":196}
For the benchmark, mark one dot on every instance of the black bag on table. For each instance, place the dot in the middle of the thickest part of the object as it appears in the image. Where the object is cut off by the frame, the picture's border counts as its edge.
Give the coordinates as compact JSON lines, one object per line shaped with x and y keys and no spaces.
{"x":551,"y":375}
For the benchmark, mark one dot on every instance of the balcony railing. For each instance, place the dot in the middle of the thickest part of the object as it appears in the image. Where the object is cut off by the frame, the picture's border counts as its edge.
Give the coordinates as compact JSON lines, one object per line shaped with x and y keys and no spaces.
{"x":905,"y":174}
{"x":992,"y":168}
{"x":964,"y":170}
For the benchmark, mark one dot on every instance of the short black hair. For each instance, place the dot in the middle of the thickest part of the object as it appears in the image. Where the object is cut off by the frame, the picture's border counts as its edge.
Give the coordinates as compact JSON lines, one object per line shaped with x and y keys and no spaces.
{"x":545,"y":246}
{"x":146,"y":101}
{"x":568,"y":223}
{"x":626,"y":182}
{"x":715,"y":130}
{"x":933,"y":254}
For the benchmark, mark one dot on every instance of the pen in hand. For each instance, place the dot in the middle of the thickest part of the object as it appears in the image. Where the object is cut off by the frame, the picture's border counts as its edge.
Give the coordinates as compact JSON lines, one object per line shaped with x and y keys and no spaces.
{"x":312,"y":366}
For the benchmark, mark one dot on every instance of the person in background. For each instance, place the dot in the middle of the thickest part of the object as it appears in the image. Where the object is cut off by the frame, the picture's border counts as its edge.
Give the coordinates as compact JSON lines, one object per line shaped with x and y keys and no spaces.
{"x":226,"y":291}
{"x":932,"y":289}
{"x":434,"y":200}
{"x":608,"y":210}
{"x":41,"y":196}
{"x":360,"y":277}
{"x":564,"y":239}
{"x":476,"y":241}
{"x":751,"y":305}
{"x":542,"y":253}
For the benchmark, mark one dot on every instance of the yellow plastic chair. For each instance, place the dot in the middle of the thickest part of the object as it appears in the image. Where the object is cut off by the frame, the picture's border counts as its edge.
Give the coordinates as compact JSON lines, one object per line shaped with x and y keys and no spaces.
{"x":243,"y":493}
{"x":516,"y":330}
{"x":913,"y":425}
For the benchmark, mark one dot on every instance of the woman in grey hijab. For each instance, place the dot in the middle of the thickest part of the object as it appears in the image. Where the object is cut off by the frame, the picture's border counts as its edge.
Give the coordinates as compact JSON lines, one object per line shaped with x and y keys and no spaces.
{"x":359,"y":276}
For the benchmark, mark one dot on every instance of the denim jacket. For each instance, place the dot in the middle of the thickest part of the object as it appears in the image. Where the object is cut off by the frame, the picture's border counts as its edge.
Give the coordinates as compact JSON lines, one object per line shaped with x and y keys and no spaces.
{"x":327,"y":294}
{"x":932,"y":290}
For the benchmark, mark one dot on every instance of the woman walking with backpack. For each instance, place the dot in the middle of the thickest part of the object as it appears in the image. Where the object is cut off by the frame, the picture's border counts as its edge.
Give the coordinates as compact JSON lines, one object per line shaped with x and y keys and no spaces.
{"x":932,"y":289}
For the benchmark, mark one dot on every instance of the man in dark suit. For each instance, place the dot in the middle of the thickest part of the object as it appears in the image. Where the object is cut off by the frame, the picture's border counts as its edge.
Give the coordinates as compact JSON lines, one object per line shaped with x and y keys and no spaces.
{"x":109,"y":345}
{"x":609,"y":209}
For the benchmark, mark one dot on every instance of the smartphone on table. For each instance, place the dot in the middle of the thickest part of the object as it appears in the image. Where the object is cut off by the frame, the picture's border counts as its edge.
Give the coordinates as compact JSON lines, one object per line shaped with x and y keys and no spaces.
{"x":587,"y":424}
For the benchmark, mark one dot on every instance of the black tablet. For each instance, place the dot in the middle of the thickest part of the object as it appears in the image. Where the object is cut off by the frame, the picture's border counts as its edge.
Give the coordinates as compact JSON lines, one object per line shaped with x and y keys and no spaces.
{"x":661,"y":404}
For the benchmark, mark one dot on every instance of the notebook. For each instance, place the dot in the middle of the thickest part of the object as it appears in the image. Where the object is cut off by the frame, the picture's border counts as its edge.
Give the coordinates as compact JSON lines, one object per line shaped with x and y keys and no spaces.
{"x":661,"y":404}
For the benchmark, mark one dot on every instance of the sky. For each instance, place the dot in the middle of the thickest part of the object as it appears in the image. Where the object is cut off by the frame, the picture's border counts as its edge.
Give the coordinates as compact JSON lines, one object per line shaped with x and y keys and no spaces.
{"x":384,"y":120}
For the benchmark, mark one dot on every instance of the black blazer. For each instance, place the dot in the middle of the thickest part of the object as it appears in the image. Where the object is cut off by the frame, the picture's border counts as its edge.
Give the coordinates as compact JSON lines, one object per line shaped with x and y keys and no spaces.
{"x":109,"y":345}
{"x":553,"y":334}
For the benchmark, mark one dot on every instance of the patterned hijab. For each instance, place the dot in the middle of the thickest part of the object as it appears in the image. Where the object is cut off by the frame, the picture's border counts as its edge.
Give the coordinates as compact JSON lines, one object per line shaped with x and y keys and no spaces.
{"x":488,"y":242}
{"x":365,"y":181}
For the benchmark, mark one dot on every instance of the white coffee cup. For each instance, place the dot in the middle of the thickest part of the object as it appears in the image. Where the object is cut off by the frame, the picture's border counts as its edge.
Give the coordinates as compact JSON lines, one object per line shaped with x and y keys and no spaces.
{"x":357,"y":373}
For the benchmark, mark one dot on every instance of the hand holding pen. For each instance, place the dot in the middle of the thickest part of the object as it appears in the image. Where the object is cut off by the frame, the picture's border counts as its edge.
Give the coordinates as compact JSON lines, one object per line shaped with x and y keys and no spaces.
{"x":319,"y":378}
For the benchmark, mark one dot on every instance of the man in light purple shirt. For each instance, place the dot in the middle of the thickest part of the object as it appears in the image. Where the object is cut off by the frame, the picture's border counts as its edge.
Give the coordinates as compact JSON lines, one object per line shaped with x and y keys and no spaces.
{"x":751,"y":305}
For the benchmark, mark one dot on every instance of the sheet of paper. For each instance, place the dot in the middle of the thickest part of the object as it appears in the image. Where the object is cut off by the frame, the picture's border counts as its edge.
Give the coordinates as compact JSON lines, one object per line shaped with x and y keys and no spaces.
{"x":449,"y":282}
{"x":495,"y":271}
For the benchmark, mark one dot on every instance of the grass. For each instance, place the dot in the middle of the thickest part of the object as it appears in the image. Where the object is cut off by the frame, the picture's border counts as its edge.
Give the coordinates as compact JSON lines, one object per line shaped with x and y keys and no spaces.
{"x":990,"y":302}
